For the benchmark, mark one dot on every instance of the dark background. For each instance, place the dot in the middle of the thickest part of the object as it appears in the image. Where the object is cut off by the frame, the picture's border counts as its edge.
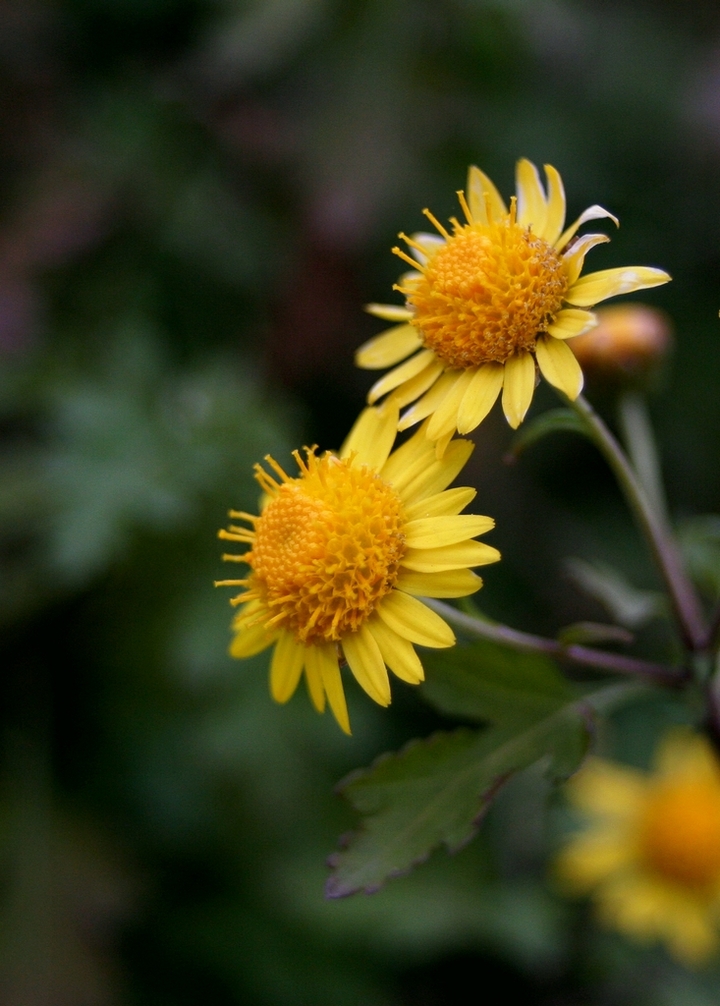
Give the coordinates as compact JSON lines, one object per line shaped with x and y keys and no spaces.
{"x":196,"y":199}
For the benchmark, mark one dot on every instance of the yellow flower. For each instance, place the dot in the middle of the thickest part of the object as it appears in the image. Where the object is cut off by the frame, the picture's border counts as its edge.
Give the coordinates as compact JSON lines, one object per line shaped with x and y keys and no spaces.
{"x":484,"y":302}
{"x":651,"y":851}
{"x":340,"y":555}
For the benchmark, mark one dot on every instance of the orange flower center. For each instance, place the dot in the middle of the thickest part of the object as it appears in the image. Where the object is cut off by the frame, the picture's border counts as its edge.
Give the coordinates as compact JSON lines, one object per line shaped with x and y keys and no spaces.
{"x":487,"y":293}
{"x":680,"y":832}
{"x":327,"y":548}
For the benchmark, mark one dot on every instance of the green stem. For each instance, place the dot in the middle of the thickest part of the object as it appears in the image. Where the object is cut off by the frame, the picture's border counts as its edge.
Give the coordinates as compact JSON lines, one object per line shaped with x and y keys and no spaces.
{"x":682,"y":596}
{"x":584,"y":656}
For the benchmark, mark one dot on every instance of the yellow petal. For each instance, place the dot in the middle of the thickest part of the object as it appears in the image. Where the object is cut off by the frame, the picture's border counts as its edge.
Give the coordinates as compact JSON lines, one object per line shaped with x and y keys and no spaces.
{"x":441,"y":445}
{"x":418,"y":385}
{"x":363,"y":655}
{"x":250,"y":641}
{"x":426,"y":405}
{"x":606,"y":790}
{"x":429,"y":244}
{"x":691,"y":931}
{"x":389,"y":312}
{"x":247,"y":615}
{"x":405,"y":372}
{"x":463,"y":554}
{"x":388,"y":348}
{"x":286,"y":666}
{"x":444,"y":504}
{"x":558,"y":365}
{"x":372,"y":436}
{"x":413,"y":620}
{"x":572,"y":321}
{"x":480,"y":396}
{"x":481,"y":194}
{"x":437,"y":475}
{"x":315,"y":687}
{"x":518,"y":387}
{"x":449,"y":583}
{"x":597,"y":286}
{"x":407,"y":279}
{"x":398,"y":653}
{"x":591,"y":213}
{"x":432,"y":532}
{"x":415,"y":471}
{"x":555,"y":220}
{"x":323,"y":661}
{"x":574,"y":259}
{"x":408,"y":460}
{"x":686,"y":754}
{"x":444,"y":419}
{"x":532,"y":206}
{"x":590,"y":858}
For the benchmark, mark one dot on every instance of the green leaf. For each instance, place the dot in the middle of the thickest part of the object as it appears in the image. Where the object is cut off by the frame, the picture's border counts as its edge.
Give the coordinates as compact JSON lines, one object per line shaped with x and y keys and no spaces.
{"x":627,"y":604}
{"x":593,"y":632}
{"x":435,"y":792}
{"x":699,"y":539}
{"x":553,"y":421}
{"x":494,"y":684}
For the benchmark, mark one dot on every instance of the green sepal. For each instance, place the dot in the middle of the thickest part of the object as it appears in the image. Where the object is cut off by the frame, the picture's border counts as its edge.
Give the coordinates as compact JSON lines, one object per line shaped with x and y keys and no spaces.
{"x":552,"y":421}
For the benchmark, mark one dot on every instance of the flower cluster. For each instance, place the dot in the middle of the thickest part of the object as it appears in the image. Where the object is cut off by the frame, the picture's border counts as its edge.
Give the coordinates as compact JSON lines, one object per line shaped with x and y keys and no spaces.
{"x":342,"y":552}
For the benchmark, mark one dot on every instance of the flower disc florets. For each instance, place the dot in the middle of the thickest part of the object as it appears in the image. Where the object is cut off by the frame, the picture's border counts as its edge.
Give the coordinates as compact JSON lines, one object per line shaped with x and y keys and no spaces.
{"x":487,"y":293}
{"x":327,"y":548}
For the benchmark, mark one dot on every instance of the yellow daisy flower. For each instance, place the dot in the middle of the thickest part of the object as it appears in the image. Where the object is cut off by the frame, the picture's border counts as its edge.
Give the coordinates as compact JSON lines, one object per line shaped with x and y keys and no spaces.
{"x":487,"y":300}
{"x":651,"y":851}
{"x":340,"y":555}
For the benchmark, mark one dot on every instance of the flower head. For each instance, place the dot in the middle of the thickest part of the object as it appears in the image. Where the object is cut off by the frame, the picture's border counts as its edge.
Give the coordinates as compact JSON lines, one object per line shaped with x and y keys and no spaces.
{"x":651,"y":851}
{"x":627,"y":346}
{"x":486,"y":300}
{"x":340,"y":555}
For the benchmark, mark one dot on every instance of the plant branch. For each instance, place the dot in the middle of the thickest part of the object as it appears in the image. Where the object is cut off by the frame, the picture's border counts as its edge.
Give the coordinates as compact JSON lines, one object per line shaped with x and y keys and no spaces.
{"x":683,"y":598}
{"x":584,"y":656}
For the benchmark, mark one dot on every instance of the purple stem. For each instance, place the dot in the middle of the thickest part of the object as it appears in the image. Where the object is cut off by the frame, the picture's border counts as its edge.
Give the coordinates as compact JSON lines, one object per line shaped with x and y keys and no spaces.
{"x":584,"y":656}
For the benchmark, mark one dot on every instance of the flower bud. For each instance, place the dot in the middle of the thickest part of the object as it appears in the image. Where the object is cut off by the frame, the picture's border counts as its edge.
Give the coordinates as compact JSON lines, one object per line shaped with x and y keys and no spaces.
{"x":627,"y":346}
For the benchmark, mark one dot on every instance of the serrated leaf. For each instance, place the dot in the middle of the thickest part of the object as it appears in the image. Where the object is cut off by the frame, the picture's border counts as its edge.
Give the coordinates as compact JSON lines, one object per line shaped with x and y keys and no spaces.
{"x":435,"y":792}
{"x":553,"y":421}
{"x":494,"y":684}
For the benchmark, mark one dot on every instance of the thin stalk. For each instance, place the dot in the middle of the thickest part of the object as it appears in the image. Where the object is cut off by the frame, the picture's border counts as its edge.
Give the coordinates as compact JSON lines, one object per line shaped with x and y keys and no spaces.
{"x":683,"y":598}
{"x":584,"y":656}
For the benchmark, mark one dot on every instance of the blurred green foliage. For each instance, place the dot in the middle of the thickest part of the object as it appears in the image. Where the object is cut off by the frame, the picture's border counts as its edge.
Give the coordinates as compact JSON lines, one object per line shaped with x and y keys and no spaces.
{"x":197,"y":197}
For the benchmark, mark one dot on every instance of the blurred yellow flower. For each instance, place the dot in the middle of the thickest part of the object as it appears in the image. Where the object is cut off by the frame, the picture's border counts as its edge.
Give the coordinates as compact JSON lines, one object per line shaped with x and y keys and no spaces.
{"x":486,"y":300}
{"x":650,"y":854}
{"x":341,"y":554}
